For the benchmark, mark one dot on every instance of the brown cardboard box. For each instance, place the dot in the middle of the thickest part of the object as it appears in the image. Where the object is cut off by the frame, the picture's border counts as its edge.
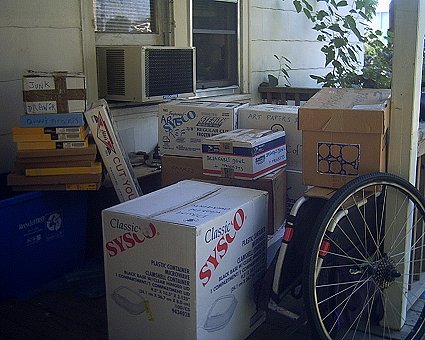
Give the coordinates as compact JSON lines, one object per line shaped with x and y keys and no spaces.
{"x":344,"y":135}
{"x":275,"y":185}
{"x":177,"y":168}
{"x":55,"y":92}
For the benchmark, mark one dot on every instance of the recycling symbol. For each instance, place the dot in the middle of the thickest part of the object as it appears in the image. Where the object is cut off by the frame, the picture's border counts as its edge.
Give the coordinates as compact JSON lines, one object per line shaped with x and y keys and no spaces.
{"x":54,"y":222}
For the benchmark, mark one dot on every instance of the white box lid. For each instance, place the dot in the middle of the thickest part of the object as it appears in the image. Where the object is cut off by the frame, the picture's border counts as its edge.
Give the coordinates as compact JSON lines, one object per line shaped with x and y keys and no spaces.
{"x":188,"y":202}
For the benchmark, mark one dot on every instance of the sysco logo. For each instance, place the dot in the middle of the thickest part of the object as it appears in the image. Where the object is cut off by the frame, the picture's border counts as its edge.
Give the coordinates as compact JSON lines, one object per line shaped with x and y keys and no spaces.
{"x":172,"y":121}
{"x":228,"y":235}
{"x":129,"y":240}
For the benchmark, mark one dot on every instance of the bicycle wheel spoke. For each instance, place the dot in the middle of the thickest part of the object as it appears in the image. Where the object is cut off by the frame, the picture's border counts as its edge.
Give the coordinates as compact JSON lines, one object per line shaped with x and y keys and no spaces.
{"x":371,"y":236}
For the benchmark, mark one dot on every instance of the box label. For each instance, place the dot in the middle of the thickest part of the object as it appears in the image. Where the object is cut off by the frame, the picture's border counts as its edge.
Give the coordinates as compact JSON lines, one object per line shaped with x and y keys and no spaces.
{"x":338,"y":159}
{"x":43,"y":228}
{"x":183,"y":127}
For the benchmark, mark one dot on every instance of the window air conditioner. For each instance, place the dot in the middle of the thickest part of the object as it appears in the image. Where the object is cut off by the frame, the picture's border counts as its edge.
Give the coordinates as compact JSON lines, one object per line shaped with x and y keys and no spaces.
{"x":146,"y":73}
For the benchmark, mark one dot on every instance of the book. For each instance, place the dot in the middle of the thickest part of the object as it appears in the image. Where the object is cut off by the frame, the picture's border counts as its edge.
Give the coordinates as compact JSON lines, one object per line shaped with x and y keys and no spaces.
{"x":51,"y":163}
{"x":43,"y":130}
{"x":52,"y":120}
{"x":89,"y":152}
{"x":77,"y":136}
{"x":16,"y":179}
{"x":57,"y":187}
{"x":70,"y":170}
{"x":43,"y":145}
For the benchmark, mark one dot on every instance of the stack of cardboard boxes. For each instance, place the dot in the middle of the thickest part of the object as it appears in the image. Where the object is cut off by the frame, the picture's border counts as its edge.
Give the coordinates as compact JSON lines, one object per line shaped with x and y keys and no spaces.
{"x":53,"y":145}
{"x":183,"y":126}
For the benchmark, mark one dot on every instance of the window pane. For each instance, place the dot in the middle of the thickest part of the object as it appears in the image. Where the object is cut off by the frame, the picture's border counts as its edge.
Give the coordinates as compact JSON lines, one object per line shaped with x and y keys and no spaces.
{"x":215,"y":39}
{"x":210,"y":14}
{"x":131,"y":16}
{"x":216,"y":60}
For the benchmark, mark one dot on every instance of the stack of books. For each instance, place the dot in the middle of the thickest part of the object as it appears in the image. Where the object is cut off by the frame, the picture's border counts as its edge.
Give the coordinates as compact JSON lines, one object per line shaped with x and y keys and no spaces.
{"x":54,"y":157}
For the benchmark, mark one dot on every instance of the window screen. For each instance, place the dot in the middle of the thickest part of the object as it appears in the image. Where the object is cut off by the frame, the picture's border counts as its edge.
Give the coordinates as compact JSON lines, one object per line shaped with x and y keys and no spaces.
{"x":215,"y":38}
{"x":125,"y":16}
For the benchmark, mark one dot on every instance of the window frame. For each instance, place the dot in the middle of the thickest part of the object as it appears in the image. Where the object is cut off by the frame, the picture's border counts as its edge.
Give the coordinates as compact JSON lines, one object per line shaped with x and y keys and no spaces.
{"x":242,"y":53}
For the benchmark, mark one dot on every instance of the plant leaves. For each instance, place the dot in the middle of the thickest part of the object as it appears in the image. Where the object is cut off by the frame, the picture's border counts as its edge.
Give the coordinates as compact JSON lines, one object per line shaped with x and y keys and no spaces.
{"x":307,"y":5}
{"x":339,"y":42}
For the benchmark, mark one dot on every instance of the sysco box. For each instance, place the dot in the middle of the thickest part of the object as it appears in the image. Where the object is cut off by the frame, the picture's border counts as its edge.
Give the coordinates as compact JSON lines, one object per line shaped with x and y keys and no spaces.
{"x":184,"y":262}
{"x":182,"y":125}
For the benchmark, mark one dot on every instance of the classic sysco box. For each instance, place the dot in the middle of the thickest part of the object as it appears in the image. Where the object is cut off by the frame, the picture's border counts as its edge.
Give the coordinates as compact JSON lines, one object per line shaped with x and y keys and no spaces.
{"x":183,"y":125}
{"x":184,"y":262}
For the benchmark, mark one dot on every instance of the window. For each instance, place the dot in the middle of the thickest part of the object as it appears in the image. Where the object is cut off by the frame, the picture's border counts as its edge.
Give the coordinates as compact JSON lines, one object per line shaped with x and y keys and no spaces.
{"x":131,"y":22}
{"x":130,"y":16}
{"x":215,"y":36}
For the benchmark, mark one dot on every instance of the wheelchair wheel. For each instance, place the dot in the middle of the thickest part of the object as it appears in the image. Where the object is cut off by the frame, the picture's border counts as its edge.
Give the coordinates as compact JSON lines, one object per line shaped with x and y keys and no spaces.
{"x":359,"y":281}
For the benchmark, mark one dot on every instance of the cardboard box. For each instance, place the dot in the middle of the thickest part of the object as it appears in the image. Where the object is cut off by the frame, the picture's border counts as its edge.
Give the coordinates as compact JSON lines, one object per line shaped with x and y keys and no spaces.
{"x":275,"y":184}
{"x":276,"y":117}
{"x":178,"y":168}
{"x":244,"y":153}
{"x":344,"y":135}
{"x":55,"y":92}
{"x":295,"y":188}
{"x":113,"y":155}
{"x":183,"y":125}
{"x":183,"y":262}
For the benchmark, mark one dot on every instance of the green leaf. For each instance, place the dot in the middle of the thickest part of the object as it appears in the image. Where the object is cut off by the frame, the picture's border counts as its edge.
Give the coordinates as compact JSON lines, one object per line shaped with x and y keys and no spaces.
{"x":321,"y":14}
{"x":307,"y":13}
{"x":321,"y":37}
{"x":297,"y":5}
{"x":307,"y":5}
{"x":287,"y":60}
{"x":337,"y":64}
{"x":330,"y":56}
{"x":284,"y":72}
{"x":319,"y":27}
{"x":339,"y":42}
{"x":336,"y":28}
{"x":342,"y":3}
{"x":352,"y":54}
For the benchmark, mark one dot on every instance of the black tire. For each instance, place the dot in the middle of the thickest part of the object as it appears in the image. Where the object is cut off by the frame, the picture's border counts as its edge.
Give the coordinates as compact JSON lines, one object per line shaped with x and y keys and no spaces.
{"x":348,"y":273}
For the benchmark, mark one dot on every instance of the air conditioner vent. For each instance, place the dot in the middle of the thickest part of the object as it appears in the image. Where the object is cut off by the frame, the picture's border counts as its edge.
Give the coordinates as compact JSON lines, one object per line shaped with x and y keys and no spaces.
{"x":115,"y":68}
{"x":168,"y":71}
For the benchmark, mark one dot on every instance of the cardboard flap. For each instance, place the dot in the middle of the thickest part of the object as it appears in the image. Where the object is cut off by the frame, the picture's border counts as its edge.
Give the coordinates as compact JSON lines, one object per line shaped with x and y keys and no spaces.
{"x":346,"y":110}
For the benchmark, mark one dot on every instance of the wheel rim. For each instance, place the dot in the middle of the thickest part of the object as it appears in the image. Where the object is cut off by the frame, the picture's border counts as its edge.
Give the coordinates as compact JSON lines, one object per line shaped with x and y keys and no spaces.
{"x":357,"y":261}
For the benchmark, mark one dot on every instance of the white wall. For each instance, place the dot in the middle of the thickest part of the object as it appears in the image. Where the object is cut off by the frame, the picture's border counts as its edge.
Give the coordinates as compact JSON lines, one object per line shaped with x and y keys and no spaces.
{"x":40,"y":35}
{"x":276,"y":28}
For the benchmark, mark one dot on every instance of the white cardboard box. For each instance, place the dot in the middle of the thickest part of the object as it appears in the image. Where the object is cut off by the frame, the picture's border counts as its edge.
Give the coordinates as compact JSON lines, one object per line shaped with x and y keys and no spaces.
{"x":184,"y":262}
{"x":113,"y":154}
{"x":182,"y":125}
{"x":244,"y":153}
{"x":276,"y":117}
